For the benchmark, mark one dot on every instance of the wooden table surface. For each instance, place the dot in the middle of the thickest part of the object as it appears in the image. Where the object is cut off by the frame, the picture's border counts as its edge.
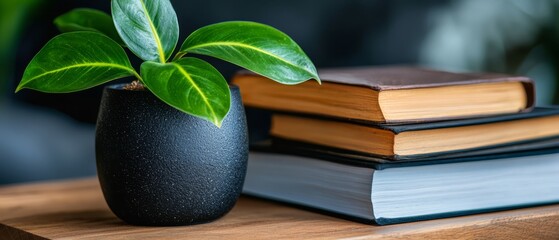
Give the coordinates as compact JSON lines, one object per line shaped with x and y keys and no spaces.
{"x":76,"y":210}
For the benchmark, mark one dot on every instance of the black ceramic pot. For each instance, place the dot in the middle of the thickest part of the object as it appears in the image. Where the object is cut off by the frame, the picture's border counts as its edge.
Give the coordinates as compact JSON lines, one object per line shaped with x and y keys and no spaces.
{"x":161,"y":167}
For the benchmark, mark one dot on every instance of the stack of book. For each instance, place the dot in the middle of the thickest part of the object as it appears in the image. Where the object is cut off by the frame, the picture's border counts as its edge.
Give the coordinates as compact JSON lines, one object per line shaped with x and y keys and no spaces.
{"x":399,"y":144}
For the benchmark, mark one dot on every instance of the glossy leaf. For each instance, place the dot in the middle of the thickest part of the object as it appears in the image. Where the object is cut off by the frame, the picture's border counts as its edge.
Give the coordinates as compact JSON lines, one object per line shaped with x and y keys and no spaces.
{"x":190,"y":85}
{"x":86,"y":19}
{"x":254,"y":46}
{"x":76,"y":61}
{"x":148,"y":27}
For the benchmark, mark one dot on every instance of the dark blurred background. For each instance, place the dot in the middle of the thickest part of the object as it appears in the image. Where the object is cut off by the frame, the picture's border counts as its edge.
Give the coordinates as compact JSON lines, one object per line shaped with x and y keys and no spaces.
{"x":48,"y":136}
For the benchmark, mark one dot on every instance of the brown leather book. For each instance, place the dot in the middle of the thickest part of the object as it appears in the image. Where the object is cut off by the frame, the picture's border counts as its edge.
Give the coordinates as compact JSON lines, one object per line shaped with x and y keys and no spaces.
{"x":392,"y":94}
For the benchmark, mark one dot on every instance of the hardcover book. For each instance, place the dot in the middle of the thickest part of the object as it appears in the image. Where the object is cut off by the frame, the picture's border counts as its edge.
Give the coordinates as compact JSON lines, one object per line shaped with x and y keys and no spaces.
{"x":392,"y":94}
{"x":418,"y":139}
{"x":378,"y":191}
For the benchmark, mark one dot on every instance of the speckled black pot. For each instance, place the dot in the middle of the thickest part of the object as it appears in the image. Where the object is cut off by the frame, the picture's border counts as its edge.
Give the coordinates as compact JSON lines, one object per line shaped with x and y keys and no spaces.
{"x":160,"y":167}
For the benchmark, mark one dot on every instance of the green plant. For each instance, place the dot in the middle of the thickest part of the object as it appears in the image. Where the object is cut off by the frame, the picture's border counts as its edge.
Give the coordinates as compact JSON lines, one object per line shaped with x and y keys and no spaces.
{"x":90,"y":53}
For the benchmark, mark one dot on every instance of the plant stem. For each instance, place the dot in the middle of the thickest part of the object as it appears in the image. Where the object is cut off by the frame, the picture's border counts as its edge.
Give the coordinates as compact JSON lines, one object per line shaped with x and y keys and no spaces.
{"x":178,"y":56}
{"x":137,"y":75}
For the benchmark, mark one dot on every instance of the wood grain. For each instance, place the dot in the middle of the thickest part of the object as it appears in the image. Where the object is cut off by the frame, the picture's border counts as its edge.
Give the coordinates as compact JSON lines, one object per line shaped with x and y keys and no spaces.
{"x":76,"y":210}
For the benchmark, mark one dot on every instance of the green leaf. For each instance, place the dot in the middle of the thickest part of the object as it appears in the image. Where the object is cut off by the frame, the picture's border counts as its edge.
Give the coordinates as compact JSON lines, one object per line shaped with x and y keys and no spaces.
{"x":76,"y":61}
{"x":148,"y":27}
{"x":190,"y":85}
{"x":254,"y":46}
{"x":86,"y":19}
